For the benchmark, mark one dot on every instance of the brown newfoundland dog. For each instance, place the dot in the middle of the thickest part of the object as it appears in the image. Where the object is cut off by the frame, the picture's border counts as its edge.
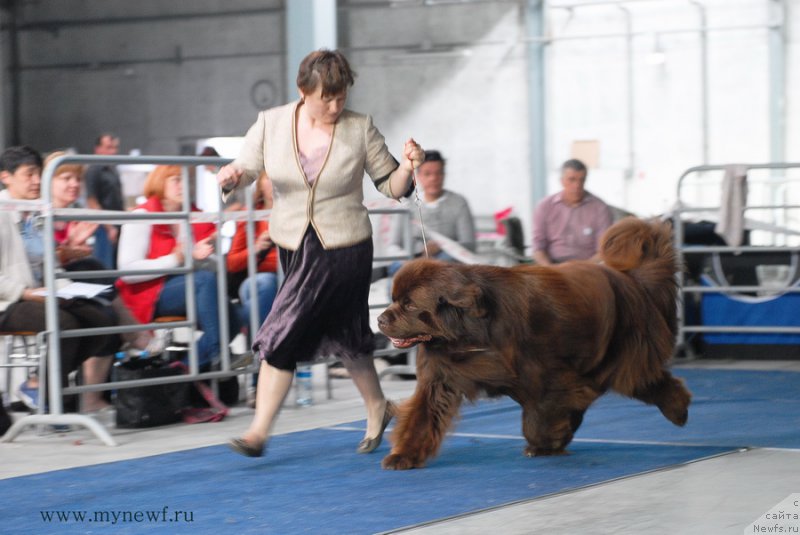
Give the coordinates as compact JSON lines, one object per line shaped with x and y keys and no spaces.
{"x":553,"y":339}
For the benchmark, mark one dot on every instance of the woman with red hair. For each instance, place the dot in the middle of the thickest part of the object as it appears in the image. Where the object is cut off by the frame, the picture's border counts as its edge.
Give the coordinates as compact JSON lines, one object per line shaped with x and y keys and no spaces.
{"x":160,"y":246}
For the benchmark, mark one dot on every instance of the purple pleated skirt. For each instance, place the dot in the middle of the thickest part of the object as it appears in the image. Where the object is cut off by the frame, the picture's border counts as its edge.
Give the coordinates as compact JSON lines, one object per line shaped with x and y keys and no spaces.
{"x":322,"y":307}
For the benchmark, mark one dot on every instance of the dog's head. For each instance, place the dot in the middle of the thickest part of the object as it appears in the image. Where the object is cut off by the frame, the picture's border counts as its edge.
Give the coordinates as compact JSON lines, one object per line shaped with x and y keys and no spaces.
{"x":431,"y":301}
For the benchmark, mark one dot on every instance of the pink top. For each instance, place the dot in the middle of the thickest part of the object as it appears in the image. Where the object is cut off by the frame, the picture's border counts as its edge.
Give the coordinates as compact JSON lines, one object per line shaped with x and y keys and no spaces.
{"x":569,"y":232}
{"x":312,"y":165}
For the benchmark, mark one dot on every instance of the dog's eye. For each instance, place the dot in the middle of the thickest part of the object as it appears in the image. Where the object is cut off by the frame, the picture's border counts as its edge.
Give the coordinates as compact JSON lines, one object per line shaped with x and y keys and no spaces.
{"x":408,"y":304}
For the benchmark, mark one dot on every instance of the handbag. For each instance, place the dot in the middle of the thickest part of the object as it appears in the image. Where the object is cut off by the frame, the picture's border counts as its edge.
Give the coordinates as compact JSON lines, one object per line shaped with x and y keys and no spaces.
{"x":149,"y":406}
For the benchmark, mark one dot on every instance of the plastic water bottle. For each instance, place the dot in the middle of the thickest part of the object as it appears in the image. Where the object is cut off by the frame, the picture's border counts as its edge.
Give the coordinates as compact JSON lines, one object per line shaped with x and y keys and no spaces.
{"x":303,"y":385}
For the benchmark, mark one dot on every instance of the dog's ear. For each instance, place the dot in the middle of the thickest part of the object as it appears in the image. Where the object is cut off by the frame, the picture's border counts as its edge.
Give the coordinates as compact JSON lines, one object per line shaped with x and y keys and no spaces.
{"x":467,"y":297}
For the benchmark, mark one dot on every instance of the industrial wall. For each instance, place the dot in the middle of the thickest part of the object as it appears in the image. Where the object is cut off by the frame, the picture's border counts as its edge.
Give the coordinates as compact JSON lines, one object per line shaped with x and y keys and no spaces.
{"x":624,"y":84}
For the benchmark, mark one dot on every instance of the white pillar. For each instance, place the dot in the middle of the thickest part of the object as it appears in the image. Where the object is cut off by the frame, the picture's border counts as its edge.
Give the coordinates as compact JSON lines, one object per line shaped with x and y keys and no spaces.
{"x":310,"y":25}
{"x":535,"y":13}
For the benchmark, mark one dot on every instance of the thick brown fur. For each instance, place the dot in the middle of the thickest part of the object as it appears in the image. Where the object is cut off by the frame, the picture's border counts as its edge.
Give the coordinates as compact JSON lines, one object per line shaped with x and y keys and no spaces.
{"x":554,"y":339}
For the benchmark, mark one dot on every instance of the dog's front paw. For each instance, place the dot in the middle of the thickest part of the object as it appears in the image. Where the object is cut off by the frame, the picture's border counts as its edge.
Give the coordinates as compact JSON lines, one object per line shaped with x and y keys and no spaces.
{"x":531,"y":451}
{"x":395,"y":461}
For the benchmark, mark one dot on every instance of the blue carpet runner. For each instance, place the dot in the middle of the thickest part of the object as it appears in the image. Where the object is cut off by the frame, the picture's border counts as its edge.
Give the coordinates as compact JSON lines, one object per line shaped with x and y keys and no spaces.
{"x":313,"y":482}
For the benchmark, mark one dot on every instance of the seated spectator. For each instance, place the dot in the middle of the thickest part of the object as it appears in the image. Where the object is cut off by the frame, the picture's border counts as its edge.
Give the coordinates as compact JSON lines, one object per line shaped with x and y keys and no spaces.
{"x":71,"y":237}
{"x":443,"y":211}
{"x":568,"y":224}
{"x":161,"y":246}
{"x":22,"y":306}
{"x":74,"y":252}
{"x":266,"y":258}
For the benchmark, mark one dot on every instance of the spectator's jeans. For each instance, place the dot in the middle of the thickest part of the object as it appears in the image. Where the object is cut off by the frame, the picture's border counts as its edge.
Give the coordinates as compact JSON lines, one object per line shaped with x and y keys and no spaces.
{"x":267,"y":288}
{"x":172,"y":302}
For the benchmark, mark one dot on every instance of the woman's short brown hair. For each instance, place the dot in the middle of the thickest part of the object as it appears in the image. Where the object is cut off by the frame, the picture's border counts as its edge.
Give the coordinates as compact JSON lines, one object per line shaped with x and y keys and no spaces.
{"x":154,"y":185}
{"x":326,"y":68}
{"x":71,"y":167}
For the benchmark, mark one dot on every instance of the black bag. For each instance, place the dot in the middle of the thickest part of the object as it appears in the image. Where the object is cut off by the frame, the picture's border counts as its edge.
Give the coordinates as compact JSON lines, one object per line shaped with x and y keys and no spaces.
{"x":149,"y":406}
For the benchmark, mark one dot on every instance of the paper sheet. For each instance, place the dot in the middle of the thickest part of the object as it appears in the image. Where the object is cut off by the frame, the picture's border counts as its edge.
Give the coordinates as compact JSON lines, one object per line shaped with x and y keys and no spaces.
{"x":79,"y":289}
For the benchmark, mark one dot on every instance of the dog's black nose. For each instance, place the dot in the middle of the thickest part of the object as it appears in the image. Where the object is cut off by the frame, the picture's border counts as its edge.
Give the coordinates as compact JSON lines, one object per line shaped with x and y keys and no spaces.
{"x":382,"y":320}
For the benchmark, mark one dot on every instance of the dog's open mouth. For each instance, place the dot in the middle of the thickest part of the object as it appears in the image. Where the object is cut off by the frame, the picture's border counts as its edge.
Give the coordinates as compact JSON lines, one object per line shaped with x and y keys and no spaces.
{"x":402,"y":343}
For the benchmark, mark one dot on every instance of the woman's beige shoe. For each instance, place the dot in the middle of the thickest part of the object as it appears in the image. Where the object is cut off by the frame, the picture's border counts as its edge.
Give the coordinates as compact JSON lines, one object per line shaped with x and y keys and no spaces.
{"x":241,"y":447}
{"x":368,"y":445}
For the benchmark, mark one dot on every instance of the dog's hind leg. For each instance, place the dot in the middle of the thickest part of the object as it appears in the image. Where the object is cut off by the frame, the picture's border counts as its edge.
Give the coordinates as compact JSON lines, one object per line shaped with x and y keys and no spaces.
{"x":549,"y":423}
{"x":669,"y":395}
{"x":421,"y":426}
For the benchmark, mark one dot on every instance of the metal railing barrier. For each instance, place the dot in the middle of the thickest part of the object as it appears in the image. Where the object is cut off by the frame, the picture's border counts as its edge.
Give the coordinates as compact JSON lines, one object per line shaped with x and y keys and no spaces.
{"x":775,"y":202}
{"x":54,"y":414}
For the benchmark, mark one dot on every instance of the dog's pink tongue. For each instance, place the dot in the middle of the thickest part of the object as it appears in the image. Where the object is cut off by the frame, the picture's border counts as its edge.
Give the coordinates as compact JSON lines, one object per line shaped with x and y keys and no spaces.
{"x":402,"y":343}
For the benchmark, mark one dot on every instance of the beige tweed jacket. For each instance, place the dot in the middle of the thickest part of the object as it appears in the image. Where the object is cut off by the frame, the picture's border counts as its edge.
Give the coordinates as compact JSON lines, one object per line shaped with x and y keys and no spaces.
{"x":334,"y":205}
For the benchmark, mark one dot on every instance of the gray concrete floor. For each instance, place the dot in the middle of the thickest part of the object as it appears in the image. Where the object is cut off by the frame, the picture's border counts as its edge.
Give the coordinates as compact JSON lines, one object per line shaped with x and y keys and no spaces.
{"x":719,"y":495}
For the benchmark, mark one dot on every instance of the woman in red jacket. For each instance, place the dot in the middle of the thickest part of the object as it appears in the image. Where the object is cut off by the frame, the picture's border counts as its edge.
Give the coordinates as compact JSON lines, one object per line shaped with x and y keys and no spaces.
{"x":160,"y":246}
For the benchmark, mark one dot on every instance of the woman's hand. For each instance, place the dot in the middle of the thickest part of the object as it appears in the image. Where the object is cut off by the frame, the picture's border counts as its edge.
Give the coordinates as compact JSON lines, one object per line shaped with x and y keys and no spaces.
{"x":228,"y":177}
{"x":413,"y":155}
{"x":203,"y":248}
{"x":400,"y":179}
{"x":80,"y":231}
{"x":33,"y":294}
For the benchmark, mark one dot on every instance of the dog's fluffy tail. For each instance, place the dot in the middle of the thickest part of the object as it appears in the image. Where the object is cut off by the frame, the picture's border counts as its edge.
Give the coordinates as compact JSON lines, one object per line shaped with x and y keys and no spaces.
{"x":645,"y":251}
